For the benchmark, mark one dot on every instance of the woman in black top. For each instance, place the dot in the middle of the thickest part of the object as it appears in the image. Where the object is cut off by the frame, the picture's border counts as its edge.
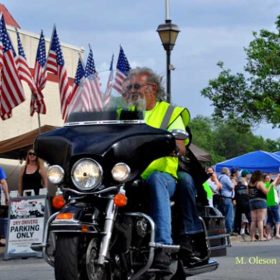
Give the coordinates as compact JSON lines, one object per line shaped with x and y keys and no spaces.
{"x":32,"y":175}
{"x":258,"y":207}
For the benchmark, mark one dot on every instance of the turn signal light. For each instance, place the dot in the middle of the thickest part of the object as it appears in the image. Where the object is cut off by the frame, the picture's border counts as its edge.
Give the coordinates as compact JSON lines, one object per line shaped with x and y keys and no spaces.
{"x":120,"y":200}
{"x":65,"y":216}
{"x":84,"y":228}
{"x":58,"y":201}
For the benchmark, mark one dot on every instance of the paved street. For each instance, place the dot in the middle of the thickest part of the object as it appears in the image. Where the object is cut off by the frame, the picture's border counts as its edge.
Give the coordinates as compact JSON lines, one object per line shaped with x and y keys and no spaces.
{"x":245,"y":260}
{"x":248,"y":261}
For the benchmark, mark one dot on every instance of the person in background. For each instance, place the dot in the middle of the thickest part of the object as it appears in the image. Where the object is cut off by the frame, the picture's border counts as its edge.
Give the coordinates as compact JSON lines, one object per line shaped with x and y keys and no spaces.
{"x":267,"y":180}
{"x":257,"y":202}
{"x":4,"y":186}
{"x":234,"y":180}
{"x":3,"y":190}
{"x":33,"y":175}
{"x":242,"y":207}
{"x":162,"y":176}
{"x":234,"y":176}
{"x":212,"y":187}
{"x":278,"y":192}
{"x":227,"y":194}
{"x":272,"y":201}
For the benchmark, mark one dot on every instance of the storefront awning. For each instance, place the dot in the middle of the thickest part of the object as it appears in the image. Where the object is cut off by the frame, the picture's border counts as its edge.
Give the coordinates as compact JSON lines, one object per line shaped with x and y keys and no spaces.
{"x":16,"y":147}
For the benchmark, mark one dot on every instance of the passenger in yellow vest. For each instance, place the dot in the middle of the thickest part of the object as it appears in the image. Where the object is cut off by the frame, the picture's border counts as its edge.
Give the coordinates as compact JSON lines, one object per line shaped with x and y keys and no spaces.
{"x":162,"y":176}
{"x":272,"y":200}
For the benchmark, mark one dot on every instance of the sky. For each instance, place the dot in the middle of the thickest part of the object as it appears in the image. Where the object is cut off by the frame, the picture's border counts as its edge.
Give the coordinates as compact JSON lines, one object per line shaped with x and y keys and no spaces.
{"x":210,"y":31}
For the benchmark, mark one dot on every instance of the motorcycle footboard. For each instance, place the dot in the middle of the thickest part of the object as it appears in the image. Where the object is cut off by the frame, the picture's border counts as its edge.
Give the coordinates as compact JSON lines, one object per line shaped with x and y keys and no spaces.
{"x":211,"y":265}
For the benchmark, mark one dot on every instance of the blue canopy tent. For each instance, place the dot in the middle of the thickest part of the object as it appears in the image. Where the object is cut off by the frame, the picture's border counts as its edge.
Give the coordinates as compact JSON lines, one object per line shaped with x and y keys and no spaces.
{"x":258,"y":160}
{"x":277,"y":153}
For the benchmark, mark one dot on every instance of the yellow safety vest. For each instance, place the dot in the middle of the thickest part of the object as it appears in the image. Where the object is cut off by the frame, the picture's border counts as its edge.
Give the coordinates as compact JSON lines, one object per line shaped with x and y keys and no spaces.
{"x":165,"y":164}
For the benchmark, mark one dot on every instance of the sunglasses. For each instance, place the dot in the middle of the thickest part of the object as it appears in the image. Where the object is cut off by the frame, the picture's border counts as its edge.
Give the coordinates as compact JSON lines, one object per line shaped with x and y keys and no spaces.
{"x":31,"y":154}
{"x":134,"y":86}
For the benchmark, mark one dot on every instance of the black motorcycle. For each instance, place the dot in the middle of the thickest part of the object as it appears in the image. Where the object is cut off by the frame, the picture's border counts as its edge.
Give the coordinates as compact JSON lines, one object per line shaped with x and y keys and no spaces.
{"x":101,"y":229}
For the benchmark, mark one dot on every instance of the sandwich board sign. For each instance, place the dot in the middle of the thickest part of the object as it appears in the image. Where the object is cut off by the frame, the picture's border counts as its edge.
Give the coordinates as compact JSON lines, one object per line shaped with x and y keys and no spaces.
{"x":27,"y":216}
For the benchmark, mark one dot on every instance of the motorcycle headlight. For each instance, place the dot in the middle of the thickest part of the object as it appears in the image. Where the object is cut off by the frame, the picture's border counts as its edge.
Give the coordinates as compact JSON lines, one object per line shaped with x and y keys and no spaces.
{"x":120,"y":172}
{"x":55,"y":174}
{"x":86,"y":174}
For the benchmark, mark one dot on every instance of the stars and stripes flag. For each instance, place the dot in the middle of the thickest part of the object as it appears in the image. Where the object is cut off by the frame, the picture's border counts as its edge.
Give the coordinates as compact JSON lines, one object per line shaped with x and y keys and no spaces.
{"x":81,"y":96}
{"x":122,"y":70}
{"x":55,"y":64}
{"x":1,"y":64}
{"x":23,"y":68}
{"x":37,"y":103}
{"x":12,"y":93}
{"x":1,"y":54}
{"x":75,"y":100}
{"x":109,"y":86}
{"x":1,"y":51}
{"x":92,"y":77}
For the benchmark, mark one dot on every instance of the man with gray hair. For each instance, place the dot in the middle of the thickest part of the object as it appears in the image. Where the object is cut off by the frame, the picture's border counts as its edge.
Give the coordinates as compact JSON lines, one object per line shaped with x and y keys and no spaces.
{"x":227,"y":194}
{"x":162,"y":176}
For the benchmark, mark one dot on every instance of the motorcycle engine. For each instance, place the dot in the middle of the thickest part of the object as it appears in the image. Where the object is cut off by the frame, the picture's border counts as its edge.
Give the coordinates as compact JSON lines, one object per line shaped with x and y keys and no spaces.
{"x":142,"y":227}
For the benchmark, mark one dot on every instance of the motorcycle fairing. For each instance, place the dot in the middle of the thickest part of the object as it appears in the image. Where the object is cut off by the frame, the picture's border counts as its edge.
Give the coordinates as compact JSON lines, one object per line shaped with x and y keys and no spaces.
{"x":136,"y":145}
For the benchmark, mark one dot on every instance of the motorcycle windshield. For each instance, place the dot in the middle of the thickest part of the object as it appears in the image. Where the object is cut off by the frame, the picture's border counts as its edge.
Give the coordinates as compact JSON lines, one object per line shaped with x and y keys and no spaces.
{"x":89,"y":107}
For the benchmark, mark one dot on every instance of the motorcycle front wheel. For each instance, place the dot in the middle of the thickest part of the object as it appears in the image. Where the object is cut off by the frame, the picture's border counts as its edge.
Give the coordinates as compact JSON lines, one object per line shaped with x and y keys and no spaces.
{"x":70,"y":259}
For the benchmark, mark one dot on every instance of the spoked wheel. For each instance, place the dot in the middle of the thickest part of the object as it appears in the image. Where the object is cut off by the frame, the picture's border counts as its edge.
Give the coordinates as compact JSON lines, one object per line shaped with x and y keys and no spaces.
{"x":70,"y":258}
{"x":94,"y":271}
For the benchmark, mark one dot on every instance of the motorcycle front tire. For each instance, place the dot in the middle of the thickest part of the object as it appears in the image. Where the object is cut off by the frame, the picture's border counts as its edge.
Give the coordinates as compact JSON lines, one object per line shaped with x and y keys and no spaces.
{"x":70,"y":258}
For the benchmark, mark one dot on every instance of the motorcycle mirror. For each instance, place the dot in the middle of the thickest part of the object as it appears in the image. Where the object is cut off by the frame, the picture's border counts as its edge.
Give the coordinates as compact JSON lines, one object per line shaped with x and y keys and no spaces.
{"x":180,"y":134}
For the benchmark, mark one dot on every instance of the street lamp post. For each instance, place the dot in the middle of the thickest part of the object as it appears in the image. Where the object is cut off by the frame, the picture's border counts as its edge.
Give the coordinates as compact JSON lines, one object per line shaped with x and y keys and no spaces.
{"x":168,"y":33}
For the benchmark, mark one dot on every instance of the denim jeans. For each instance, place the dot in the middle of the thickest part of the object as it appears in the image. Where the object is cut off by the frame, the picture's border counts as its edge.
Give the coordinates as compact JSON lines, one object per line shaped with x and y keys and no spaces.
{"x":162,"y":187}
{"x":273,"y":216}
{"x":227,"y":211}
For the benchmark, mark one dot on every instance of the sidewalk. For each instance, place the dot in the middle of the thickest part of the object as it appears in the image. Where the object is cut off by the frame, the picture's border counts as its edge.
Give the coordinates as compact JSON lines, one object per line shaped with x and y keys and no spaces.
{"x":2,"y":251}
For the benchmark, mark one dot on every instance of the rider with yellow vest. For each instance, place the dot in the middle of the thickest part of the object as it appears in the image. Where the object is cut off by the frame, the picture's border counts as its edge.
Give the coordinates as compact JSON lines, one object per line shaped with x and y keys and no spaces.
{"x":162,"y":175}
{"x":179,"y":119}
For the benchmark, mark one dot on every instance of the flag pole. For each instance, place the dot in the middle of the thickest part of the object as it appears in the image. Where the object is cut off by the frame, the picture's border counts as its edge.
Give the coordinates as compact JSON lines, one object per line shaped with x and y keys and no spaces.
{"x":39,"y":122}
{"x":38,"y":115}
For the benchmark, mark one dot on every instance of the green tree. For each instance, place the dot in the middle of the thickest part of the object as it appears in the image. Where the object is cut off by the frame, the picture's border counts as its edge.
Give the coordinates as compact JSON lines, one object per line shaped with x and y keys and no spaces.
{"x":202,"y":130}
{"x":254,"y":96}
{"x":224,"y":140}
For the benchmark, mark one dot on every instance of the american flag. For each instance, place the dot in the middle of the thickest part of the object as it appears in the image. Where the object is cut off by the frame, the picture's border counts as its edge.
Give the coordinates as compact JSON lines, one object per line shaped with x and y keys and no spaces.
{"x":92,"y":77}
{"x":81,"y":97}
{"x":123,"y":68}
{"x":1,"y":51}
{"x":37,"y":103}
{"x":1,"y":65}
{"x":74,"y":101}
{"x":56,"y":65}
{"x":108,"y":91}
{"x":23,"y":69}
{"x":12,"y":93}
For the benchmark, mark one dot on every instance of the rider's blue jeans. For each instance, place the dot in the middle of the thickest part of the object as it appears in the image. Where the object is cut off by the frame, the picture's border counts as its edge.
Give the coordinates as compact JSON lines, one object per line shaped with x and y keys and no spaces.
{"x":162,"y":187}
